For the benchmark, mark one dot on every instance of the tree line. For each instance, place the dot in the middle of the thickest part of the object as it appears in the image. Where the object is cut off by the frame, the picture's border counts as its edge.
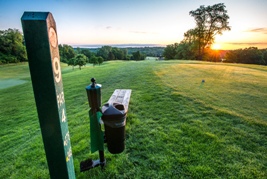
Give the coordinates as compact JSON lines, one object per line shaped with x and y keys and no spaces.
{"x":81,"y":56}
{"x":147,"y":51}
{"x":115,"y":53}
{"x":251,"y":55}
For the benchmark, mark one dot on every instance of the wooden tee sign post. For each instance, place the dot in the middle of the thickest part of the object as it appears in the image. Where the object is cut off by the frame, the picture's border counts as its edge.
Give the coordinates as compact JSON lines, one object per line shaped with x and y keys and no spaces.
{"x":40,"y":35}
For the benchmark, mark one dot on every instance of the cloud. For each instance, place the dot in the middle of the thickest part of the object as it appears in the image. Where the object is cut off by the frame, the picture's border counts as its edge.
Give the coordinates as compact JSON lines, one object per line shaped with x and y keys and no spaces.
{"x":108,"y":27}
{"x":247,"y":43}
{"x":235,"y":45}
{"x":258,"y":30}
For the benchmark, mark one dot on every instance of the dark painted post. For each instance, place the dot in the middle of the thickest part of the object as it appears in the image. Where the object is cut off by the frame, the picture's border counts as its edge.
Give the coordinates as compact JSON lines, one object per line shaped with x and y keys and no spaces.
{"x":40,"y":35}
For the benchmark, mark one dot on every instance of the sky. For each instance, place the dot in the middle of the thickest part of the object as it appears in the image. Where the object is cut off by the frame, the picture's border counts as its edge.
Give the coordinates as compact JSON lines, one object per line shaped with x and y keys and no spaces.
{"x":157,"y":22}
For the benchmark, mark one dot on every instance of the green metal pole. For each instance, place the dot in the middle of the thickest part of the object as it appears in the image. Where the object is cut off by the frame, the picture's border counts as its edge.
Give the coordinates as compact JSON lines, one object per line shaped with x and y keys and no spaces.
{"x":40,"y":35}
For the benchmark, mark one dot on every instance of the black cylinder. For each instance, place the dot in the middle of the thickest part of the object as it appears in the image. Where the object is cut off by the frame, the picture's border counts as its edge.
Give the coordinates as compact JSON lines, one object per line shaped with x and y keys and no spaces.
{"x":114,"y":118}
{"x":94,"y":94}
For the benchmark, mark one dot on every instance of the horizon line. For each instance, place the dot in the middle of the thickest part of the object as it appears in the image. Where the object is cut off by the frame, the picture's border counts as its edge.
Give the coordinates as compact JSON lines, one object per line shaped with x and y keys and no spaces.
{"x":130,"y":45}
{"x":136,"y":45}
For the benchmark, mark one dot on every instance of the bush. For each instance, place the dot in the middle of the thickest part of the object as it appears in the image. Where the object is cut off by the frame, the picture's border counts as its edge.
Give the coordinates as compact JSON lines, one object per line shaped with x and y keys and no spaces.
{"x":8,"y":59}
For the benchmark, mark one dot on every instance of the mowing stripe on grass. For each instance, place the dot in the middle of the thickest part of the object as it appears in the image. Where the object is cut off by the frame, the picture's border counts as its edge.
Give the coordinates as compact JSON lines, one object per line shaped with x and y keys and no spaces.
{"x":6,"y":83}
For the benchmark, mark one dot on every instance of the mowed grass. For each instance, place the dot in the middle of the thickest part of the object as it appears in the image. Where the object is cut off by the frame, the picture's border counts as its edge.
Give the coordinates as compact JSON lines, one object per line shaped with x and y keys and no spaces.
{"x":177,"y":125}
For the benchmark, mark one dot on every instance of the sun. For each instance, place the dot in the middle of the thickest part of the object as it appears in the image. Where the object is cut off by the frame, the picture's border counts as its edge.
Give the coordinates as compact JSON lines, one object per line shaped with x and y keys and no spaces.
{"x":216,"y":46}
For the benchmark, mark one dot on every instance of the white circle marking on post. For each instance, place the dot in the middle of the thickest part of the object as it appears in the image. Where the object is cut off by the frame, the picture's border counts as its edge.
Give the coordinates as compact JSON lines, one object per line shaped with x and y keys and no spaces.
{"x":53,"y":37}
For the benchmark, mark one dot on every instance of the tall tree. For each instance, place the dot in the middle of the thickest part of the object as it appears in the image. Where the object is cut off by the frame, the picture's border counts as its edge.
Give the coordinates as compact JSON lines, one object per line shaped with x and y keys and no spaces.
{"x":11,"y":46}
{"x":119,"y":54}
{"x":170,"y":51}
{"x":80,"y":60}
{"x":87,"y":53}
{"x":100,"y":60}
{"x":111,"y":56}
{"x":210,"y":21}
{"x":138,"y":56}
{"x":264,"y":56}
{"x":66,"y":52}
{"x":104,"y":52}
{"x":72,"y":62}
{"x":188,"y":47}
{"x":94,"y":60}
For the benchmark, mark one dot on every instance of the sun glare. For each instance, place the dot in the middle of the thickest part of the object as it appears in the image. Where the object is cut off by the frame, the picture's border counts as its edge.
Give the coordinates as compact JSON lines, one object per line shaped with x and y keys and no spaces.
{"x":216,"y":47}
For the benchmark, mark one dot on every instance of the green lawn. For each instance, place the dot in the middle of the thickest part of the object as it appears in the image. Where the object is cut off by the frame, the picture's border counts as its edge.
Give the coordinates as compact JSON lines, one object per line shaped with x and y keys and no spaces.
{"x":177,"y":125}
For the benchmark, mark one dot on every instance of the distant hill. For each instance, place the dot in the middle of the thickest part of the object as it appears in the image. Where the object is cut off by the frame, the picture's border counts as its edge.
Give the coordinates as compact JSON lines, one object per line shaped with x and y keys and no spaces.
{"x":149,"y":50}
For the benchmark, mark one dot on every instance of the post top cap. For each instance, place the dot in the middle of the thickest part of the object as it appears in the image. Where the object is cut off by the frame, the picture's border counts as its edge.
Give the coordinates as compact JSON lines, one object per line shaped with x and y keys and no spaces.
{"x":35,"y":15}
{"x":93,"y":80}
